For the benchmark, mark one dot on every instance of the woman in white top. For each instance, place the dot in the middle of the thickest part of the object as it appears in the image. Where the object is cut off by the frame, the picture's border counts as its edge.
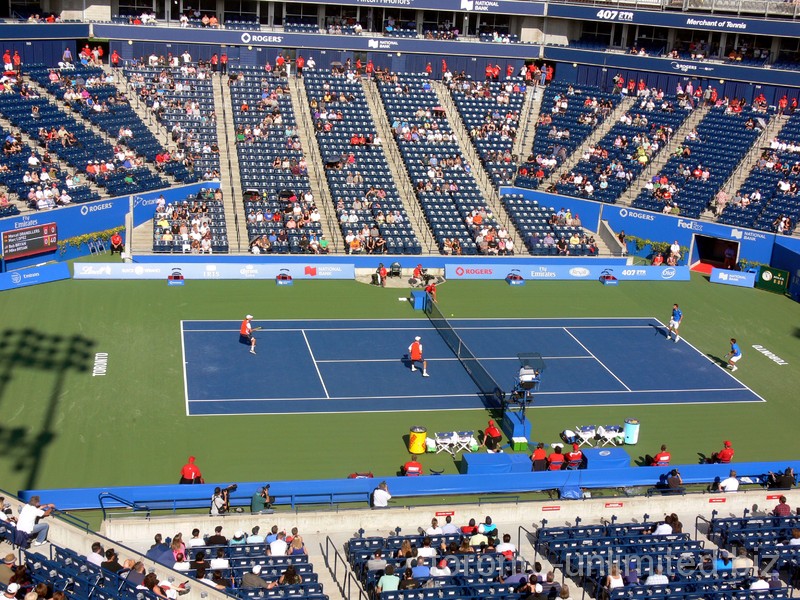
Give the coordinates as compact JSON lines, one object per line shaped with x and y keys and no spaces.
{"x":614,"y":580}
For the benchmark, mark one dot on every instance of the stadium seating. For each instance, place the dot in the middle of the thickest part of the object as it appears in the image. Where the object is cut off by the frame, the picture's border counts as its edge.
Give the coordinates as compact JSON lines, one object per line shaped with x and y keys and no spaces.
{"x":764,"y":178}
{"x":117,"y":113}
{"x":445,"y":188}
{"x":190,"y":110}
{"x":261,"y":101}
{"x":368,"y":161}
{"x":723,"y":140}
{"x":617,"y":153}
{"x":491,"y":111}
{"x":533,"y":222}
{"x":549,"y":141}
{"x":180,"y":227}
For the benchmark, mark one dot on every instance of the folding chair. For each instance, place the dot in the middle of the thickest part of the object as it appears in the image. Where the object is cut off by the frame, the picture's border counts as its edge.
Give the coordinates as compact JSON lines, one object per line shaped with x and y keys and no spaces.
{"x":609,"y":435}
{"x":463,"y":441}
{"x":446,"y":442}
{"x":586,"y":434}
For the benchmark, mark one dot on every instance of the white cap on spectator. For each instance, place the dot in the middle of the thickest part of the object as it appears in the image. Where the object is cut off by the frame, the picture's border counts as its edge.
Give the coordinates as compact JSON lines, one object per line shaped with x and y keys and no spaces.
{"x":248,"y":316}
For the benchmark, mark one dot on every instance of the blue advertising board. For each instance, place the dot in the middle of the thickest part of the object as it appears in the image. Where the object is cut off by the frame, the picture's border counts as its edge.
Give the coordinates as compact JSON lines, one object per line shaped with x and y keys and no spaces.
{"x":281,"y":39}
{"x":42,"y":31}
{"x":755,"y":246}
{"x":737,"y":278}
{"x":214,"y":271}
{"x":564,"y":271}
{"x":676,"y":20}
{"x":690,"y":68}
{"x":33,"y":276}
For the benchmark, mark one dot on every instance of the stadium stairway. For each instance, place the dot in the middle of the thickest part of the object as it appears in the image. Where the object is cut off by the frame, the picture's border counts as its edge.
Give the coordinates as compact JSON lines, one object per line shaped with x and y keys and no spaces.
{"x":742,"y":171}
{"x":230,"y":180}
{"x":655,"y":167}
{"x":528,"y":116}
{"x":316,"y":175}
{"x":485,"y":184}
{"x":598,"y":134}
{"x":398,"y":168}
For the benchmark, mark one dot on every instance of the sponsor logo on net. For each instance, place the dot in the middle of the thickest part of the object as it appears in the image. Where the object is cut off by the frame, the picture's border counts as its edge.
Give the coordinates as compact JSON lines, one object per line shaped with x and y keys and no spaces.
{"x":636,"y":214}
{"x":264,"y":39}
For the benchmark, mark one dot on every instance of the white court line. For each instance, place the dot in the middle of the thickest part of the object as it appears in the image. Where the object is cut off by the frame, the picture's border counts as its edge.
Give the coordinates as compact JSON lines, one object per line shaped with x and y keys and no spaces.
{"x":481,"y":408}
{"x":316,"y":366}
{"x":597,"y":359}
{"x":185,"y":376}
{"x":716,"y":364}
{"x":450,"y":359}
{"x":424,"y":319}
{"x":476,"y":394}
{"x":458,"y":328}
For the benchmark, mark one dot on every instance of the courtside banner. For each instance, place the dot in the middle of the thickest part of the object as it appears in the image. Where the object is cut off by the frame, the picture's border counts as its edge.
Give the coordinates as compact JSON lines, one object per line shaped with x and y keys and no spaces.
{"x":566,"y":271}
{"x":33,"y":276}
{"x":214,"y":270}
{"x":737,"y":278}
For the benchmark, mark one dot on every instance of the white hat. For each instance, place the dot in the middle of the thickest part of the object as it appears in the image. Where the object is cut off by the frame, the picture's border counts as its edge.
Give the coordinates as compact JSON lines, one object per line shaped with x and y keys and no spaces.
{"x":12,"y":588}
{"x":417,"y":338}
{"x":248,"y":316}
{"x":256,"y":569}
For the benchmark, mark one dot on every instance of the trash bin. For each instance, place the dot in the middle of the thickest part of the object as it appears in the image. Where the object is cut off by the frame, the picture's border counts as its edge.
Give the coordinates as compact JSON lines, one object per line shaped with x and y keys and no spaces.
{"x":631,"y":431}
{"x":416,"y":440}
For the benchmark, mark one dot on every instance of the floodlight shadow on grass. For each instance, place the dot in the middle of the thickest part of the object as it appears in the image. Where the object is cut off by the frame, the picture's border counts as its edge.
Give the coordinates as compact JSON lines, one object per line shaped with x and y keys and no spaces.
{"x":28,"y":348}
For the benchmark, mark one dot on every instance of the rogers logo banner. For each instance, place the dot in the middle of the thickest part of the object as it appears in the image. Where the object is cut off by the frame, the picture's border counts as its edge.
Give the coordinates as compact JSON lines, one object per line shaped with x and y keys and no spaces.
{"x":461,"y":271}
{"x":311,"y":271}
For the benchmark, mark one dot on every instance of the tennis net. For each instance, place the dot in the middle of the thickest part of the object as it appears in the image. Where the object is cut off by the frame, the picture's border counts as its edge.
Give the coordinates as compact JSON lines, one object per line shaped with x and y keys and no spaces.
{"x":485,"y":382}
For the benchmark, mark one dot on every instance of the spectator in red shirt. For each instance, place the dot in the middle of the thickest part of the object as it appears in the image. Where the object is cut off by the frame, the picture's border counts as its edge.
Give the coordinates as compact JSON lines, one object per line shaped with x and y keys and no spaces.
{"x":662,"y":458}
{"x":555,"y":461}
{"x":413,"y":467}
{"x":782,"y":509}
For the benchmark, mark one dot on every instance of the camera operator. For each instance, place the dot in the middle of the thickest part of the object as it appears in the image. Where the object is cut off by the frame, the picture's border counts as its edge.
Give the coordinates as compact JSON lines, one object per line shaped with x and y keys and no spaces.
{"x":220,"y":501}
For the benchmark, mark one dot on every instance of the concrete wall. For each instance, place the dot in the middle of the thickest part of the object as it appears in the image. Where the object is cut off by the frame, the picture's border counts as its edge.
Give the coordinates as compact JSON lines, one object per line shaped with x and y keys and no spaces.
{"x":508,"y":516}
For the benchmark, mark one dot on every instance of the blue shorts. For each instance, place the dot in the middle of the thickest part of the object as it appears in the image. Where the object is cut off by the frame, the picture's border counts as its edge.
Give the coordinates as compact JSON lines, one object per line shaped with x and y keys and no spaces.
{"x":245,"y":339}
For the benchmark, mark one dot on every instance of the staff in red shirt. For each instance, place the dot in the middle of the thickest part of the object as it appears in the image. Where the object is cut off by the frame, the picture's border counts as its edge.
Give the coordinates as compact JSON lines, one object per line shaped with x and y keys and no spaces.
{"x":575,"y":457}
{"x":116,"y":243}
{"x":415,"y":355}
{"x":725,"y":455}
{"x":246,"y":334}
{"x":412,"y":468}
{"x":491,"y":438}
{"x":539,"y":458}
{"x":190,"y":473}
{"x":662,"y":458}
{"x":299,"y":64}
{"x":556,"y":459}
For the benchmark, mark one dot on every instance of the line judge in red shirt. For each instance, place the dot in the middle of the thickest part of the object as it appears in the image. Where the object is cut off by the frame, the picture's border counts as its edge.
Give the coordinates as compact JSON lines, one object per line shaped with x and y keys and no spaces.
{"x":415,"y":355}
{"x":190,"y":473}
{"x":246,"y":334}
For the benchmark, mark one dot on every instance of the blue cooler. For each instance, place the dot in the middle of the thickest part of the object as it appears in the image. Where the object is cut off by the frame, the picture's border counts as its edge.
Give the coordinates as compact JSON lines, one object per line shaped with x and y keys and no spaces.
{"x":631,"y":431}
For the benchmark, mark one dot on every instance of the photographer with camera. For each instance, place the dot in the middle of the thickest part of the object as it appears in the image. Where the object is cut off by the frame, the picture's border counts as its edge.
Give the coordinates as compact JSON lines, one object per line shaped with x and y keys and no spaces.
{"x":220,"y":501}
{"x":261,"y":502}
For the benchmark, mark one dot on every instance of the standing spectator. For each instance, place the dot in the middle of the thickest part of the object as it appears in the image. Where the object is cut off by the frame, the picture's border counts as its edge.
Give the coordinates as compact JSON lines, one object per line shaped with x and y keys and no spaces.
{"x":30,"y":522}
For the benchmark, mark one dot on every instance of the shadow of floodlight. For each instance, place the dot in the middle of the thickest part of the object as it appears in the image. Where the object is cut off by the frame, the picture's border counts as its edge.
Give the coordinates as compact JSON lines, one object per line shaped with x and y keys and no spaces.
{"x":28,"y":348}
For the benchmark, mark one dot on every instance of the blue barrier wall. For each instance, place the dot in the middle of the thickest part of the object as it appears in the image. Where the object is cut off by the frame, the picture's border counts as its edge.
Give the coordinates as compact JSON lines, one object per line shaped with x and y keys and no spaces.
{"x":754,"y":245}
{"x":590,"y":212}
{"x":91,"y":217}
{"x":349,"y":490}
{"x":786,"y":256}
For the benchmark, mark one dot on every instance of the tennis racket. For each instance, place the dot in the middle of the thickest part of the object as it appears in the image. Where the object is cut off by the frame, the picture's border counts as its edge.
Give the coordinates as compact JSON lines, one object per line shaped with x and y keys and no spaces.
{"x":256,"y":329}
{"x":727,"y":356}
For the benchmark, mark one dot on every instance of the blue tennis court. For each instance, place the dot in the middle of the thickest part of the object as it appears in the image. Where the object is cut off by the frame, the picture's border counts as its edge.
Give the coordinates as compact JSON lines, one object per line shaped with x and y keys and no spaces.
{"x":331,"y":366}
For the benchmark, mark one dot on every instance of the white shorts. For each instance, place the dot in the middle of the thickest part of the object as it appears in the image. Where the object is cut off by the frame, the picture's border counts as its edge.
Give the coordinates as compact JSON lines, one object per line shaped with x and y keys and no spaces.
{"x":673,"y":324}
{"x":734,"y":359}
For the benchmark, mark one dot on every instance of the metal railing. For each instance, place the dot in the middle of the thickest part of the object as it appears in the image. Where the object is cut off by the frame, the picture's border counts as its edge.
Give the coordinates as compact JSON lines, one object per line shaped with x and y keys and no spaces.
{"x":349,"y":581}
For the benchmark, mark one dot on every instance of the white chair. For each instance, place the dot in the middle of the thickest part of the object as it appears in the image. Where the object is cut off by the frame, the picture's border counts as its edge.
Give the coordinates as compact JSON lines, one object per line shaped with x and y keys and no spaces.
{"x":446,"y":442}
{"x":464,"y":441}
{"x":609,"y":435}
{"x":586,"y":433}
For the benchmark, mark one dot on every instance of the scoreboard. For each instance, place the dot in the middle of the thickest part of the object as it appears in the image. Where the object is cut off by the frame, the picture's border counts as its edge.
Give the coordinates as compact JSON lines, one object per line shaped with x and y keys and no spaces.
{"x":29,"y":241}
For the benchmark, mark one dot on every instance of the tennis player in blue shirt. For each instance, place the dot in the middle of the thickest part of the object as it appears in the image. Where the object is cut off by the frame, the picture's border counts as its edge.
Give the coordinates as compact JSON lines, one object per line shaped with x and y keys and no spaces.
{"x":734,"y":355}
{"x":675,"y":322}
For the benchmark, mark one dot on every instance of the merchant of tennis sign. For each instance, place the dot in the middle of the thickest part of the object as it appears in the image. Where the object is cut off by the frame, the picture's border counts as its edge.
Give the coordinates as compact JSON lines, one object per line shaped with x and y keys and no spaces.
{"x":565,"y":272}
